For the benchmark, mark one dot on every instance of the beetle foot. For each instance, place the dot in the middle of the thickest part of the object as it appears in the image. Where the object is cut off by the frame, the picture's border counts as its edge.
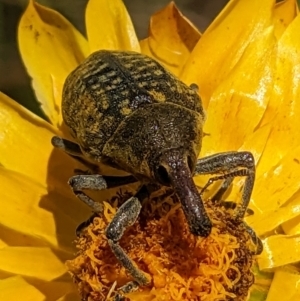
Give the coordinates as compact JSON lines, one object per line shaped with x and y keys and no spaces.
{"x":125,"y":289}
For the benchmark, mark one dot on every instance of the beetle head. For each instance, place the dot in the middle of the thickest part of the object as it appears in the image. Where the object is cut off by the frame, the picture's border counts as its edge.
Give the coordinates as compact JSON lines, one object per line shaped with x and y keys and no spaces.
{"x":149,"y":132}
{"x":160,"y":143}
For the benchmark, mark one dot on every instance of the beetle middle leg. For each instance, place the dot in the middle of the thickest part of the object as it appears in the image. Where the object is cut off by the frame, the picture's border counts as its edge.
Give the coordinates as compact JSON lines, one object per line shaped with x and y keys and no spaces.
{"x":230,"y":165}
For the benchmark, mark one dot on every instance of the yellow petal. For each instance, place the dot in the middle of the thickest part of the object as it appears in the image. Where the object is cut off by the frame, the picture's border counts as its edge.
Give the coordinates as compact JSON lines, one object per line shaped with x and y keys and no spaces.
{"x":279,"y":250}
{"x":41,"y":263}
{"x":238,"y":103}
{"x":284,"y":106}
{"x":256,"y":142}
{"x":285,"y":285}
{"x":293,"y":226}
{"x":274,"y":188}
{"x":32,"y":216}
{"x":25,"y":146}
{"x":2,"y":243}
{"x":51,"y":48}
{"x":269,"y":220}
{"x":284,"y":14}
{"x":14,"y":288}
{"x":223,"y":44}
{"x":109,"y":26}
{"x":55,"y":289}
{"x":260,"y":288}
{"x":171,"y":39}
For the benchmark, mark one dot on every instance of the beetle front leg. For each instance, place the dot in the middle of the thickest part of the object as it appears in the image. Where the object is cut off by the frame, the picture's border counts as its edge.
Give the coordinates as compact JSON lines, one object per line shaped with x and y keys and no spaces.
{"x":231,"y":164}
{"x":125,"y":217}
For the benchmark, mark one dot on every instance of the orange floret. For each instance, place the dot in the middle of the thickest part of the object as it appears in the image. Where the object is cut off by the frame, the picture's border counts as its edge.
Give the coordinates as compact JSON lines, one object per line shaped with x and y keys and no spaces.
{"x":181,"y":265}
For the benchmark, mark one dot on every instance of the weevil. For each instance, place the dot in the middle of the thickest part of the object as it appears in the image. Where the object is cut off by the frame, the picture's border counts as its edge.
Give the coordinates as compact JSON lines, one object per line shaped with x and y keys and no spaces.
{"x":127,"y":112}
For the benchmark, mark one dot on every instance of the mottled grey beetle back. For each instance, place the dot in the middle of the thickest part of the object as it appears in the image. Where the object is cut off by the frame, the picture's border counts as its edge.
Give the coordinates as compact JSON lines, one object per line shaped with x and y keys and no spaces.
{"x":109,"y":86}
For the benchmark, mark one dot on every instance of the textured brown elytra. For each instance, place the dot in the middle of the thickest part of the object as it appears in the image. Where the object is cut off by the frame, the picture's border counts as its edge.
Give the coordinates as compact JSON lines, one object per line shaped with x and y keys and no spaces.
{"x":127,"y":112}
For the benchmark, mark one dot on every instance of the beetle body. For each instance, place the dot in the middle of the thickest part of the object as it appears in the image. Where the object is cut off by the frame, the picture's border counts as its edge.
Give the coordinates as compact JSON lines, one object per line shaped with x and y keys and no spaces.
{"x":127,"y":112}
{"x":125,"y":109}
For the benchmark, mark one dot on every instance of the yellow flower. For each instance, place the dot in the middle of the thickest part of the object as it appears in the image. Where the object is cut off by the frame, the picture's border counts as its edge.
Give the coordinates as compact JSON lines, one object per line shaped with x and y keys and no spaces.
{"x":247,"y":67}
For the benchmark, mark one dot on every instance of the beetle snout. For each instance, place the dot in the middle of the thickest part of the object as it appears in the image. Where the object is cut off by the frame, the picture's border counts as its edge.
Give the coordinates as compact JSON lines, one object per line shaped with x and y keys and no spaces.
{"x":174,"y":170}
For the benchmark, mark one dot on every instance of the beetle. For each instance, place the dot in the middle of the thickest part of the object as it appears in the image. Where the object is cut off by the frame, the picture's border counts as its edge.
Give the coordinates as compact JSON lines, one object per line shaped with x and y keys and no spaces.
{"x":127,"y":112}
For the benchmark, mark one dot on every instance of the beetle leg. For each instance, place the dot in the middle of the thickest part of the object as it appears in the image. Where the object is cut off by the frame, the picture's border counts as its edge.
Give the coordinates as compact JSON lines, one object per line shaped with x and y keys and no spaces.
{"x":67,"y":146}
{"x":231,"y":164}
{"x":256,"y":240}
{"x":225,"y":185}
{"x":79,"y":183}
{"x":228,"y":164}
{"x":217,"y":197}
{"x":125,"y":289}
{"x":73,"y":150}
{"x":125,"y":217}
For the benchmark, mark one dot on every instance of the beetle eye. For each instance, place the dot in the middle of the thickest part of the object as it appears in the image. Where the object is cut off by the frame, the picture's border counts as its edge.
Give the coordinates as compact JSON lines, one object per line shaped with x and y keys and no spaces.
{"x":162,"y":175}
